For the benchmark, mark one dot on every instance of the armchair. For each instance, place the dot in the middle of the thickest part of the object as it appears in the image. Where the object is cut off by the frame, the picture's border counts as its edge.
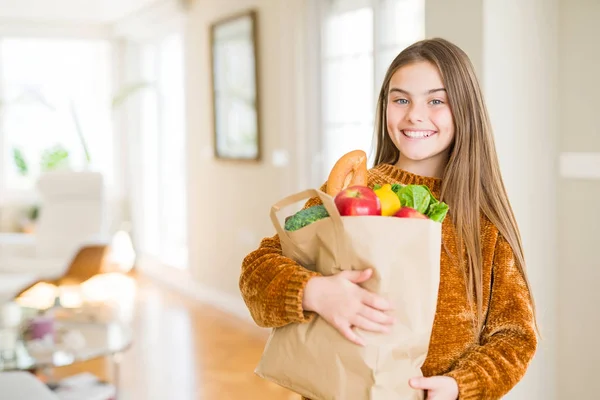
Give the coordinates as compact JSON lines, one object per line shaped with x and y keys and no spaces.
{"x":71,"y":218}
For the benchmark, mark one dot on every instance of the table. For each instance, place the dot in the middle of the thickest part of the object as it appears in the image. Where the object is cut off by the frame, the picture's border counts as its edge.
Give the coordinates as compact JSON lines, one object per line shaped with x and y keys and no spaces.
{"x":101,"y":339}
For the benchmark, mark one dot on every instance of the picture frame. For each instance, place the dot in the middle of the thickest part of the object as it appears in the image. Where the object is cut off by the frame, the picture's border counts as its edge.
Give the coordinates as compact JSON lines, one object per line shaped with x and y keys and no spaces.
{"x":235,"y":87}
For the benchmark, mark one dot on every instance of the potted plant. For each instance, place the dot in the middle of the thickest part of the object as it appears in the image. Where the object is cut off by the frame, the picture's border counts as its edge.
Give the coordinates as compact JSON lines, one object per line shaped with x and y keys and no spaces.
{"x":53,"y":158}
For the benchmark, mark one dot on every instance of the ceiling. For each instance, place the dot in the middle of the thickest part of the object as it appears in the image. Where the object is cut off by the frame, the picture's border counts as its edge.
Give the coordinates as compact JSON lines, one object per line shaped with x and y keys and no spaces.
{"x":73,"y":11}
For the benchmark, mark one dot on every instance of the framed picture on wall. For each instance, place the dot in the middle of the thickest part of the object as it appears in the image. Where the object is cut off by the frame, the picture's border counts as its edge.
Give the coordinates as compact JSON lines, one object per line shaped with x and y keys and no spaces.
{"x":236,"y":116}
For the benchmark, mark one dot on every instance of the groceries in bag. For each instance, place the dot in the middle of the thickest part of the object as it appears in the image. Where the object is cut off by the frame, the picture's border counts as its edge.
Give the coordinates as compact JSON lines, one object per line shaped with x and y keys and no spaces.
{"x":350,"y":232}
{"x":352,"y":196}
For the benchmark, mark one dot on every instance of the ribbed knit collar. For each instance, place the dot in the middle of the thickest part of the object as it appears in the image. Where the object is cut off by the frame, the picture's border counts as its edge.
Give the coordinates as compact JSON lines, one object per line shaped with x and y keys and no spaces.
{"x":396,"y":174}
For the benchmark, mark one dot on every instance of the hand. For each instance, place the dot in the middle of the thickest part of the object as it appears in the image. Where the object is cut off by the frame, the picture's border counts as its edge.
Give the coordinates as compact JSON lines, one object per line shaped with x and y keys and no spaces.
{"x":342,"y":303}
{"x":437,"y":387}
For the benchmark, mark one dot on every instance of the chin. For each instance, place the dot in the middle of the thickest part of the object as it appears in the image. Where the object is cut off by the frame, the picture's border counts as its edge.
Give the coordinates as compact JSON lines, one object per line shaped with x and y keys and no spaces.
{"x":417,"y":156}
{"x":418,"y":153}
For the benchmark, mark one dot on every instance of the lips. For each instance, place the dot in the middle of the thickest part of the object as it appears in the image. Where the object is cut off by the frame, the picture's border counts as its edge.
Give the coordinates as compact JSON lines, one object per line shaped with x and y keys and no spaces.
{"x":418,"y":134}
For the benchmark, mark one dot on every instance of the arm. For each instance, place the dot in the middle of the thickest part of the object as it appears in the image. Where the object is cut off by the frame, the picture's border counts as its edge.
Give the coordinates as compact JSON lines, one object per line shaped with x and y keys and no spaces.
{"x":508,"y":341}
{"x":16,"y":245}
{"x":272,"y":285}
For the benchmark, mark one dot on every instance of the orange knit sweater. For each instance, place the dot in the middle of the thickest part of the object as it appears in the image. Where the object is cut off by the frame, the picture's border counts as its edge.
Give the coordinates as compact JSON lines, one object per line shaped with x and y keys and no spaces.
{"x":485,"y":367}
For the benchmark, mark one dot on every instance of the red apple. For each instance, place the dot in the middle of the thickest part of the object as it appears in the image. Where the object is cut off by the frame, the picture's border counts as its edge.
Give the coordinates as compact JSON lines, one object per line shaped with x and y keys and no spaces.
{"x":409,"y":212}
{"x":358,"y":200}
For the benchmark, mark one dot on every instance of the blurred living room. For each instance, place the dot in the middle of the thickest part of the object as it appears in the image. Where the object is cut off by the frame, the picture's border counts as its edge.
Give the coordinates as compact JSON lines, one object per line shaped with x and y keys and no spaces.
{"x":144,"y":142}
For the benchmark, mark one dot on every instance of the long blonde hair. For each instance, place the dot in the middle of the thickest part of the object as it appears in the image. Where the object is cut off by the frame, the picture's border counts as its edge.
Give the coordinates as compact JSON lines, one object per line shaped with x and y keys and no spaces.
{"x":471,"y":182}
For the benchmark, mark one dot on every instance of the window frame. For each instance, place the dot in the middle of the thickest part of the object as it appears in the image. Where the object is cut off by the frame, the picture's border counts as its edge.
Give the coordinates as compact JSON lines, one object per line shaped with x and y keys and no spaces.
{"x":60,"y":32}
{"x":379,"y":49}
{"x":161,"y":255}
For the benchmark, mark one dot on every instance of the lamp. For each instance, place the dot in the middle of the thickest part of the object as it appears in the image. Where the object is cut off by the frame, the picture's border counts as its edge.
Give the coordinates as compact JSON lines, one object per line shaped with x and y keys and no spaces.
{"x":122,"y":254}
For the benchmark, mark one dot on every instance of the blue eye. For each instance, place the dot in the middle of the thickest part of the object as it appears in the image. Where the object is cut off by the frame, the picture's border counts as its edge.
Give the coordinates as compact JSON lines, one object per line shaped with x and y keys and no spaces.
{"x":401,"y":101}
{"x":436,"y":102}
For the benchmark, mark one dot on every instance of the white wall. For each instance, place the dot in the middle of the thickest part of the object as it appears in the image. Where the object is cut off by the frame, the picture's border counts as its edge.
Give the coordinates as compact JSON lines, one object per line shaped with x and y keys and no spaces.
{"x":520,"y":80}
{"x":230,"y":201}
{"x":579,"y":224}
{"x":459,"y":21}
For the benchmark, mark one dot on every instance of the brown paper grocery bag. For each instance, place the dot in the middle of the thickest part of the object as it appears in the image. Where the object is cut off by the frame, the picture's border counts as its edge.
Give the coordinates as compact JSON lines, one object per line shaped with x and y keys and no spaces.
{"x":316,"y":361}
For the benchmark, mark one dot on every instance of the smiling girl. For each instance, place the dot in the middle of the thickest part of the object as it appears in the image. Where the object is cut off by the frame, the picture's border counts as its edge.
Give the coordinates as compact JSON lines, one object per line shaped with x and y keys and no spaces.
{"x":432,"y":129}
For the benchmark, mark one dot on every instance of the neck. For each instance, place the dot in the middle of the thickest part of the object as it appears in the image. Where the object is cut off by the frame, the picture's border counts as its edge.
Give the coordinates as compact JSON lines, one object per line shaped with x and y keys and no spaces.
{"x":432,"y":167}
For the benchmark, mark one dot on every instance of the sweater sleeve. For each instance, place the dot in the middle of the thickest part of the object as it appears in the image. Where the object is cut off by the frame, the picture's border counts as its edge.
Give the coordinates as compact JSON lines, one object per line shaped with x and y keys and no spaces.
{"x":508,"y":341}
{"x":272,"y":285}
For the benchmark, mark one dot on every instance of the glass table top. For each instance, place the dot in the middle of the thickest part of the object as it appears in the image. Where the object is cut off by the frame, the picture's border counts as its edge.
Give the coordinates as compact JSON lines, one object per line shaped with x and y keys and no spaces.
{"x":75,"y":341}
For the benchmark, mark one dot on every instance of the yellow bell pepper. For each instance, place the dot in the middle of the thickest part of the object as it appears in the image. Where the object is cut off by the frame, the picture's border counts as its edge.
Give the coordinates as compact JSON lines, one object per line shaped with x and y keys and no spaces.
{"x":390,"y":203}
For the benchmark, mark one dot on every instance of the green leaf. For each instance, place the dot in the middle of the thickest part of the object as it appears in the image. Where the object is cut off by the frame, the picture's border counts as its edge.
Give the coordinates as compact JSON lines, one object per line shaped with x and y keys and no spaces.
{"x":415,"y":196}
{"x":421,"y":199}
{"x":34,"y":212}
{"x":122,"y":95}
{"x":20,"y":162}
{"x":54,"y":158}
{"x":376,"y":186}
{"x":396,"y":188}
{"x":438,"y":211}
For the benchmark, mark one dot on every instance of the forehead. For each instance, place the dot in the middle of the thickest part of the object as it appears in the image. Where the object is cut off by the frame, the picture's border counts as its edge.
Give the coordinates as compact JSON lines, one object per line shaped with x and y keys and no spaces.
{"x":417,"y":77}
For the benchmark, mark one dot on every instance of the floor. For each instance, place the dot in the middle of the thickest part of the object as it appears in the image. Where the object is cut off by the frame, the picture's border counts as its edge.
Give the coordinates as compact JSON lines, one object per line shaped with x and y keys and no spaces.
{"x":184,"y":350}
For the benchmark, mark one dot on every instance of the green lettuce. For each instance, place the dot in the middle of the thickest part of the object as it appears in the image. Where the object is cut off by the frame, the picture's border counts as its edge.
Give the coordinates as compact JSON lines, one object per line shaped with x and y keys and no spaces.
{"x":421,"y":199}
{"x":416,"y":197}
{"x":437,"y":211}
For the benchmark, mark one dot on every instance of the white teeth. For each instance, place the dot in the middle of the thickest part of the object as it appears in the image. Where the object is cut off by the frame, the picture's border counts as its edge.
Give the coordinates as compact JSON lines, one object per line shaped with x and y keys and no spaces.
{"x":418,"y":134}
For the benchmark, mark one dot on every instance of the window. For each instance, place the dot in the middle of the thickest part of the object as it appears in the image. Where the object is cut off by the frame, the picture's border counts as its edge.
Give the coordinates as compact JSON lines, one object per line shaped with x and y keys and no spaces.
{"x":360,"y":39}
{"x":51,"y":91}
{"x":162,"y":139}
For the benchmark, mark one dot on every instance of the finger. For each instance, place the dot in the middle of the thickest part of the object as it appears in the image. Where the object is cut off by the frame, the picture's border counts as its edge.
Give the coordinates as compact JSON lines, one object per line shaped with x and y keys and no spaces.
{"x":363,"y":323}
{"x":349,"y":334}
{"x":358,"y":276}
{"x":421,"y":383}
{"x":376,"y":315}
{"x":375,"y":301}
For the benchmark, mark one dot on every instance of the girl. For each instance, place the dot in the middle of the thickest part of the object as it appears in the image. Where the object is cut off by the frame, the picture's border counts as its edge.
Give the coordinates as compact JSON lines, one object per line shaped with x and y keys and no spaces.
{"x":432,"y":129}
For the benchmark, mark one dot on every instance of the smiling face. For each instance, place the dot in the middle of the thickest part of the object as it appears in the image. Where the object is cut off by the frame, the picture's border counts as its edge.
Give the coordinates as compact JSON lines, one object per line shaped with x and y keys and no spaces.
{"x":419,"y":119}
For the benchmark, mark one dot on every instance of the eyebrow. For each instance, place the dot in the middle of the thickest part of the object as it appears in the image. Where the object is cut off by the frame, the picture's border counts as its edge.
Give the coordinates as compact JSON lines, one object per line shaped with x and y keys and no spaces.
{"x":409,"y":94}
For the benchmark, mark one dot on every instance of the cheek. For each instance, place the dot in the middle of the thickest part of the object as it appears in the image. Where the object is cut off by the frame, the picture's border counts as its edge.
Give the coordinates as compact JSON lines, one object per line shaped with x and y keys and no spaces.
{"x":393,"y":116}
{"x":442,"y":118}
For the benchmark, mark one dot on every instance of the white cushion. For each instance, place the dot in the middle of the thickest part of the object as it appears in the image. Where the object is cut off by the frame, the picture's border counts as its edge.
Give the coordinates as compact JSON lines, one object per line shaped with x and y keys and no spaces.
{"x":42,"y":268}
{"x":17,"y":245}
{"x":72,"y":211}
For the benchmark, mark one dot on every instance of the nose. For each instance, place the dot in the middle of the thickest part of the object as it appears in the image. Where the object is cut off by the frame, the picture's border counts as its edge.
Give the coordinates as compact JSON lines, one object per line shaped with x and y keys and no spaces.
{"x":415,"y":114}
